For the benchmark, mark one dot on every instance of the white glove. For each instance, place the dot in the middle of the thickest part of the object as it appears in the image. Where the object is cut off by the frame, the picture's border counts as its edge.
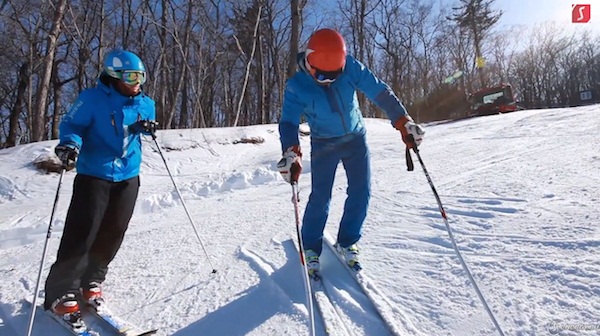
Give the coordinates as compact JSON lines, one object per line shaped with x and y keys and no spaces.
{"x":416,"y":131}
{"x":290,"y":165}
{"x":408,"y":128}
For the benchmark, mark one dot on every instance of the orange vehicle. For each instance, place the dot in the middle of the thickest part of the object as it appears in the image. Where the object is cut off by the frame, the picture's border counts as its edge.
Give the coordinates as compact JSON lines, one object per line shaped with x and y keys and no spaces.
{"x":492,"y":100}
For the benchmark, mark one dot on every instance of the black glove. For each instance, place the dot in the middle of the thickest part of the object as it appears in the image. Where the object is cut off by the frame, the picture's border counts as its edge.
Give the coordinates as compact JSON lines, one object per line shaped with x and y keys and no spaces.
{"x":147,"y":127}
{"x":67,"y":154}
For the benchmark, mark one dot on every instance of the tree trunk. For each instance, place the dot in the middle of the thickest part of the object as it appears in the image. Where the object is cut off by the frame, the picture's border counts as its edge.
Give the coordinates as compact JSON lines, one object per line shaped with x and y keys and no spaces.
{"x":15,"y":112}
{"x":39,"y":113}
{"x":184,"y":113}
{"x":162,"y":78}
{"x":294,"y":37}
{"x":57,"y":90}
{"x":262,"y":111}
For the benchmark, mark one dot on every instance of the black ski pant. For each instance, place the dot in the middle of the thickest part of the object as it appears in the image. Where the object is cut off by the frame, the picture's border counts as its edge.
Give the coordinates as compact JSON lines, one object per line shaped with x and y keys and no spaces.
{"x":96,"y":222}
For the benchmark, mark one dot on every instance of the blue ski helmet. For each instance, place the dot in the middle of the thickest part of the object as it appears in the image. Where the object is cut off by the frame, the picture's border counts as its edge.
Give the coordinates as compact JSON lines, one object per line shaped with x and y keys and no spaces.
{"x":125,"y":66}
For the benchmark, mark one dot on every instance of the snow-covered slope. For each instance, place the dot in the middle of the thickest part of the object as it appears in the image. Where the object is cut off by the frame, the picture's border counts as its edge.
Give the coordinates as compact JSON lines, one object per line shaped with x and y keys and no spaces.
{"x":520,"y":191}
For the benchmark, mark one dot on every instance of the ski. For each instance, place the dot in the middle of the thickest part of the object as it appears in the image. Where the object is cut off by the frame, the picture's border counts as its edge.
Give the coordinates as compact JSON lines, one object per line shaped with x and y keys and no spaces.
{"x":118,"y":324}
{"x":379,"y":301}
{"x":329,"y":317}
{"x":332,"y":322}
{"x":82,"y":330}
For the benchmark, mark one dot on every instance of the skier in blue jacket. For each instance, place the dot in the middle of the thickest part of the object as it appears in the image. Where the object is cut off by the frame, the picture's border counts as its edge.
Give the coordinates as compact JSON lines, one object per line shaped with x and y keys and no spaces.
{"x":324,"y":92}
{"x":100,"y":135}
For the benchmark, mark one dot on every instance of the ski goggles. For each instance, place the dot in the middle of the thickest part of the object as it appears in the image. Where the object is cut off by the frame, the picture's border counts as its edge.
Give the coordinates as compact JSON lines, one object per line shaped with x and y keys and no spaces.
{"x":322,"y":76}
{"x":132,"y":77}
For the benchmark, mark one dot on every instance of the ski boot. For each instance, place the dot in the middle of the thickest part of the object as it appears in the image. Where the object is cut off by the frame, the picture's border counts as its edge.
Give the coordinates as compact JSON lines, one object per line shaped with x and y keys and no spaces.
{"x":312,"y":263}
{"x":92,"y":295}
{"x":350,"y":254}
{"x":66,"y":311}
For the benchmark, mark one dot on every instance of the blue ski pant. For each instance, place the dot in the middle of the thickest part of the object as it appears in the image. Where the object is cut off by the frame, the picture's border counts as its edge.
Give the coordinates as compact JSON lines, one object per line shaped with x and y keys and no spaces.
{"x":353,"y":152}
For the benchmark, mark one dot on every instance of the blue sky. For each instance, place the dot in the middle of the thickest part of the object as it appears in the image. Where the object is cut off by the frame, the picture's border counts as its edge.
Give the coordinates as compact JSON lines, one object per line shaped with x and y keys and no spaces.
{"x":536,"y":11}
{"x":516,"y":12}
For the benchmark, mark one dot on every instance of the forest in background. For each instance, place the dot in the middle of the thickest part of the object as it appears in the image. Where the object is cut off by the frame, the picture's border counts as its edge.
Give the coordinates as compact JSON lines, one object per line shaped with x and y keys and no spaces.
{"x":224,"y":63}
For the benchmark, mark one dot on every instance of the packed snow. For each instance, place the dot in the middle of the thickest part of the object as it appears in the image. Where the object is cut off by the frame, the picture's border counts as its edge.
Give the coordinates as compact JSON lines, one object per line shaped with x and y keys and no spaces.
{"x":520,"y":191}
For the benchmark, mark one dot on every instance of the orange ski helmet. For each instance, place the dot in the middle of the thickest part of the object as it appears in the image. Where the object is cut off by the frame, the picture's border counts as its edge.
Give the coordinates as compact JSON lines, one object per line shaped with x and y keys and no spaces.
{"x":326,"y":55}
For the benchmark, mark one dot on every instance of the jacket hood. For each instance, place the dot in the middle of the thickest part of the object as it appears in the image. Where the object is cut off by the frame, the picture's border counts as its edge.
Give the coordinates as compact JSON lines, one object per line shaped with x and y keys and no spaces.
{"x":300,"y":59}
{"x":104,"y":82}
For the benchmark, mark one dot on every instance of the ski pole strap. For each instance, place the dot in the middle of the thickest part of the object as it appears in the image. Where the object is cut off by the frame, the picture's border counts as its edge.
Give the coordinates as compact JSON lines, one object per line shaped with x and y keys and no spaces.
{"x":409,"y":162}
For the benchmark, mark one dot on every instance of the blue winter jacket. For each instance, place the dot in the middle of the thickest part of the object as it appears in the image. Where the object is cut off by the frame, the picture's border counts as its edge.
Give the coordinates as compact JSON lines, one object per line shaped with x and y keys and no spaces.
{"x":333,"y":111}
{"x":97,"y":123}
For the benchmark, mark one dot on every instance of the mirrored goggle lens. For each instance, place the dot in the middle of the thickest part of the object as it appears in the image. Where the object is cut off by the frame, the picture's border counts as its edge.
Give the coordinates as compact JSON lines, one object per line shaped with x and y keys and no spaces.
{"x":133,"y":77}
{"x":326,"y":76}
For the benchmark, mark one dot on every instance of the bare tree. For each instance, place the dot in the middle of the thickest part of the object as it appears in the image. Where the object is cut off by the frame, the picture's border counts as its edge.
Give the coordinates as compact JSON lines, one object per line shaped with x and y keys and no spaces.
{"x":248,"y":64}
{"x":17,"y":108}
{"x":477,"y":17}
{"x":201,"y":77}
{"x":39,"y":114}
{"x":395,"y":41}
{"x":84,"y":26}
{"x":181,"y":46}
{"x":356,"y":13}
{"x":503,"y":48}
{"x":296,"y":11}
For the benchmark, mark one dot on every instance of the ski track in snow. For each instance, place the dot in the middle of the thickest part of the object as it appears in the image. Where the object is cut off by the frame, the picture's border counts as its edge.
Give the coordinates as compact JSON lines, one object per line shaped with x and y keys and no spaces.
{"x":521,"y":204}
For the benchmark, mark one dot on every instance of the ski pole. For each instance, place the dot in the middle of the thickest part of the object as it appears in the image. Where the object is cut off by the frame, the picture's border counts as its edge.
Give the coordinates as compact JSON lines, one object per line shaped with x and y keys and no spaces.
{"x":454,"y":245}
{"x":311,"y":314}
{"x":48,"y":234}
{"x":214,"y":270}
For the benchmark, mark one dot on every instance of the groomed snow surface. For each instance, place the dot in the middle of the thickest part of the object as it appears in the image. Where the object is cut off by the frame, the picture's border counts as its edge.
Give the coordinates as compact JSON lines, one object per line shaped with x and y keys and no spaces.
{"x":520,"y":191}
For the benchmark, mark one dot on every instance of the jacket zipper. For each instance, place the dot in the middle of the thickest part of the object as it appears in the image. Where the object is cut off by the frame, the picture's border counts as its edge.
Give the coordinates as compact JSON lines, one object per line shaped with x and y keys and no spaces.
{"x":332,"y":99}
{"x":112,"y":117}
